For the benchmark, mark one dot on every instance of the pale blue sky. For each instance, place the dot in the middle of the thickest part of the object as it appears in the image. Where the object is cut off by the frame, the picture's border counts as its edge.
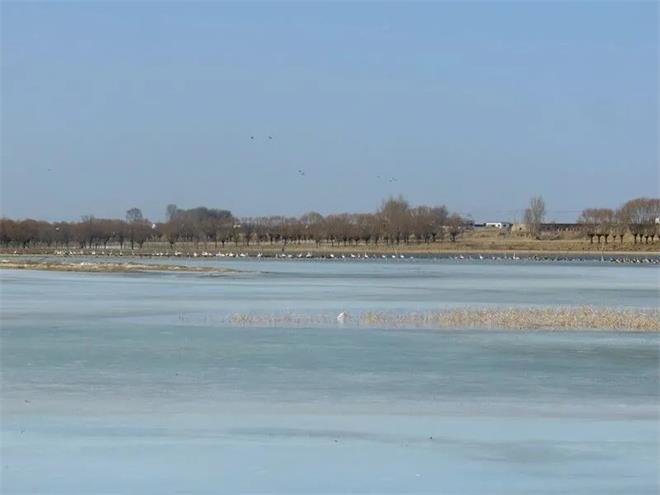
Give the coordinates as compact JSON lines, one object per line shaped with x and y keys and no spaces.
{"x":106,"y":106}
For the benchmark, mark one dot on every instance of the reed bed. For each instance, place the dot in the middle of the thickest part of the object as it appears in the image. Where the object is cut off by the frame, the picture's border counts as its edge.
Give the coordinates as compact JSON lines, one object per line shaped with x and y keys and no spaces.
{"x":515,"y":318}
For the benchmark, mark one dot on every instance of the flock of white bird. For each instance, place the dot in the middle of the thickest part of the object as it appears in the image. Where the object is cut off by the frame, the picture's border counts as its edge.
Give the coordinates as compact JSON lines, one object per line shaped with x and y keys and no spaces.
{"x":365,"y":256}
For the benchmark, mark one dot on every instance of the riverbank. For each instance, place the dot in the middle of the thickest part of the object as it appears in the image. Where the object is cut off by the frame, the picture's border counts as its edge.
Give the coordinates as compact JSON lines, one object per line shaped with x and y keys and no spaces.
{"x":470,"y":245}
{"x":340,"y":255}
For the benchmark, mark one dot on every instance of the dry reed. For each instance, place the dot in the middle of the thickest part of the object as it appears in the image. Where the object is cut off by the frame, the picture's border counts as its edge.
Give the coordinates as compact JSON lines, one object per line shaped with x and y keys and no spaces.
{"x":514,"y":318}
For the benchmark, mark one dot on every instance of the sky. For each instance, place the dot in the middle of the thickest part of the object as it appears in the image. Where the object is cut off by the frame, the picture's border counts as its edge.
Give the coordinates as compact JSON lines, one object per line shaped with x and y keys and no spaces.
{"x":479,"y":106}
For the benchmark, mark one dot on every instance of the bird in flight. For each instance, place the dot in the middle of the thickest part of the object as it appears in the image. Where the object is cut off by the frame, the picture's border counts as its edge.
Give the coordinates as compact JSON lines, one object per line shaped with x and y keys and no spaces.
{"x":301,"y":172}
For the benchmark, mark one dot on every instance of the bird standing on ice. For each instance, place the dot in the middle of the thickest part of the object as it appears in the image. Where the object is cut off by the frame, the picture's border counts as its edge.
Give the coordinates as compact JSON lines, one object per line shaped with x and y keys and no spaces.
{"x":342,"y":317}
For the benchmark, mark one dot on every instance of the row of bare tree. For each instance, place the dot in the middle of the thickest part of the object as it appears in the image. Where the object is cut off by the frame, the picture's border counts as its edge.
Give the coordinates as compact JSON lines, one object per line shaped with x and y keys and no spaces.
{"x":640,"y":217}
{"x":395,"y":222}
{"x":89,"y":232}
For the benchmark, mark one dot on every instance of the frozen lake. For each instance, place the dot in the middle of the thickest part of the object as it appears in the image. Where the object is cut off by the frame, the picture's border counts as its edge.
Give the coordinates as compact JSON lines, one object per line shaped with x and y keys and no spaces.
{"x":135,"y":383}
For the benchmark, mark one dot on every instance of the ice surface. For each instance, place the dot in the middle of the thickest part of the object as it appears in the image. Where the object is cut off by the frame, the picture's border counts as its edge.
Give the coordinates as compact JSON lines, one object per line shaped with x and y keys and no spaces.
{"x":130,"y":383}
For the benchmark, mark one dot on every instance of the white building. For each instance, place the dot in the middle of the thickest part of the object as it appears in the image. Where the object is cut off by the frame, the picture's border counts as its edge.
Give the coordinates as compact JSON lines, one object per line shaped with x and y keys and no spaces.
{"x":498,"y":225}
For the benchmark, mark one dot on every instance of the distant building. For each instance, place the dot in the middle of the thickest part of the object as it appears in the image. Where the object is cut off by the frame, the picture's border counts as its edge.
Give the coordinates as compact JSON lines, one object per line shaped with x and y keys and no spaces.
{"x":560,"y":227}
{"x":549,"y":227}
{"x":498,"y":225}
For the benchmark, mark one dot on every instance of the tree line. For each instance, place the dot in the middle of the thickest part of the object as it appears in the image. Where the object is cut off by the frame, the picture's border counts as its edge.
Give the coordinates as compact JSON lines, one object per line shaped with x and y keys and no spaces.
{"x":640,"y":217}
{"x":395,"y":222}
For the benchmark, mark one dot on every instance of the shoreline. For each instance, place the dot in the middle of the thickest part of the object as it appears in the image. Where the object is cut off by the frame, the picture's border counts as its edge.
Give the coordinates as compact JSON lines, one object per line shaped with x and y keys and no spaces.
{"x":548,"y":248}
{"x":108,"y":267}
{"x":318,"y":252}
{"x":354,"y":255}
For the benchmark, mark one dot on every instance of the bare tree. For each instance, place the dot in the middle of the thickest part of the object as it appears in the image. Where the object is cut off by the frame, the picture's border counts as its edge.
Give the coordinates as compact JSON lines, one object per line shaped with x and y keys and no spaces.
{"x":534,"y":215}
{"x":640,"y":214}
{"x":7,"y":231}
{"x":139,"y":228}
{"x":597,"y":222}
{"x":455,"y":226}
{"x":396,"y":217}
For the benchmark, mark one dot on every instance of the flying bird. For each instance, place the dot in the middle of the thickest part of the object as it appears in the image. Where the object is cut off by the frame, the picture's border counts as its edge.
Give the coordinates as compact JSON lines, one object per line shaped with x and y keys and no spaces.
{"x":301,"y":172}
